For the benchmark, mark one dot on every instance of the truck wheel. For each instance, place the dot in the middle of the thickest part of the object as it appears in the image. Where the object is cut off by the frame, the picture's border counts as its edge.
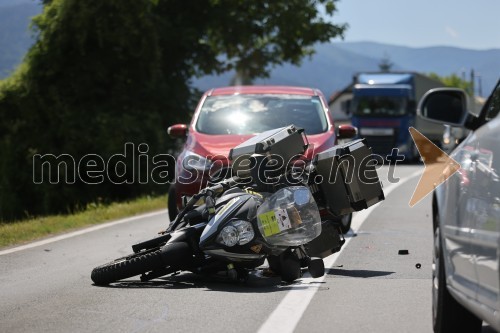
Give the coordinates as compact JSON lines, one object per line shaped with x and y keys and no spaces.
{"x":448,"y":315}
{"x":172,"y":204}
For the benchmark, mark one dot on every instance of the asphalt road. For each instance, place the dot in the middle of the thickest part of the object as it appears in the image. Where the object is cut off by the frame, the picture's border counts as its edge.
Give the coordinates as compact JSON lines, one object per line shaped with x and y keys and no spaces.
{"x":368,"y":287}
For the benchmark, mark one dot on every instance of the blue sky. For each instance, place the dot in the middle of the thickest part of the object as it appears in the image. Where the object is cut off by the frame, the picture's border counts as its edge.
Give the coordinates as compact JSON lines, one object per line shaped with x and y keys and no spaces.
{"x":421,"y":23}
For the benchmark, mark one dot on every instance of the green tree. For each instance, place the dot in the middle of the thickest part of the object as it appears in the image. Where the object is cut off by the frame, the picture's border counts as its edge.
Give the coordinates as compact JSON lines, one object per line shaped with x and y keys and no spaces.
{"x":385,"y":64}
{"x":453,"y":80}
{"x":103,"y":73}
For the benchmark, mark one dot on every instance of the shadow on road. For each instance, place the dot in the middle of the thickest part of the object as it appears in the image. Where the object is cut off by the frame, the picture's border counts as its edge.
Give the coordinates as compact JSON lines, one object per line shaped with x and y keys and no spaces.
{"x":254,"y":284}
{"x":356,"y":273}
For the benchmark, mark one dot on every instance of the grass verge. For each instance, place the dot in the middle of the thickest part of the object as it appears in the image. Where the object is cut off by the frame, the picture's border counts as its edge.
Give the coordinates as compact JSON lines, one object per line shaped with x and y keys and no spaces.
{"x":27,"y":230}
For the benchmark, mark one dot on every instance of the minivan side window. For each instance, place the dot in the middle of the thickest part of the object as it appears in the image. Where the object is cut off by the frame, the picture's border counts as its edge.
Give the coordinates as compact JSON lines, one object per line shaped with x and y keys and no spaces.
{"x":494,"y":104}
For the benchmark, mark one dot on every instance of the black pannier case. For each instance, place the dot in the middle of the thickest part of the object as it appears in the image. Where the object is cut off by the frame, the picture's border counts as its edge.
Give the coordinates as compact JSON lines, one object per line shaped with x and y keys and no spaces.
{"x":349,"y":181}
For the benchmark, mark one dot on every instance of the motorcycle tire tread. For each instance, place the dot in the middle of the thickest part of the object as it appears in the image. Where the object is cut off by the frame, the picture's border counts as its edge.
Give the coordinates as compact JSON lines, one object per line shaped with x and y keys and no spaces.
{"x":128,"y":267}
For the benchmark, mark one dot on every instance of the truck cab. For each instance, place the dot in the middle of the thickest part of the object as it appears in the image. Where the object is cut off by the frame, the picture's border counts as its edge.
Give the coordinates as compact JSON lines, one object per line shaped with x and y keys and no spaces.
{"x":383,"y":108}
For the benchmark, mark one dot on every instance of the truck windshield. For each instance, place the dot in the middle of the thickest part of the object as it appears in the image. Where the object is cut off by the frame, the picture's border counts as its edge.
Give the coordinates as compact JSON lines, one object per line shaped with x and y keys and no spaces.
{"x":250,"y":114}
{"x":379,"y":106}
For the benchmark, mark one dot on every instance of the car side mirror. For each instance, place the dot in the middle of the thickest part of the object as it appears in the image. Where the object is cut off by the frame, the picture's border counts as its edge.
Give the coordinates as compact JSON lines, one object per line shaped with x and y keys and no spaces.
{"x":446,"y":106}
{"x":346,"y":132}
{"x":178,"y":130}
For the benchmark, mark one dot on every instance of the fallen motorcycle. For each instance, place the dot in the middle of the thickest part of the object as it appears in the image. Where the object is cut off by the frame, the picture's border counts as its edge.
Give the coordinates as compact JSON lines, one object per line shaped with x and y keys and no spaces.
{"x":276,"y":205}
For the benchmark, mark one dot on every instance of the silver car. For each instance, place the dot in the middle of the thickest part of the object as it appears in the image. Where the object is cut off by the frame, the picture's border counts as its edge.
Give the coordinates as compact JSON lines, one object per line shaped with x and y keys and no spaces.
{"x":466,"y":215}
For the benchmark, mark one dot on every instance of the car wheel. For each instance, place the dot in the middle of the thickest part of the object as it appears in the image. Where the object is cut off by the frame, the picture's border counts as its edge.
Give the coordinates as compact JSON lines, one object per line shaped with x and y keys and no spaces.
{"x":448,"y":315}
{"x":172,"y":206}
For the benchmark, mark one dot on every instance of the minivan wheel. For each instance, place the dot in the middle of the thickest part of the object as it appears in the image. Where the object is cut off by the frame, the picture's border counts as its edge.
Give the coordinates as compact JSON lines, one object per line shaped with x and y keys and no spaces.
{"x":447,"y":314}
{"x":172,"y":206}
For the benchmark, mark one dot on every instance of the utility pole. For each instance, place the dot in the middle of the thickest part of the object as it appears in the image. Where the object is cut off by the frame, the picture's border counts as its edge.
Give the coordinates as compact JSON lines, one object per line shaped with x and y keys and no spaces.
{"x":479,"y":86}
{"x":471,"y":82}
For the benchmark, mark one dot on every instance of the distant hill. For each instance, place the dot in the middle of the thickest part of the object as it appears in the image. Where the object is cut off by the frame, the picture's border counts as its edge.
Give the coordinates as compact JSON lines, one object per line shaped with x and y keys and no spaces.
{"x":15,"y":36}
{"x":333,"y":65}
{"x":330,"y":69}
{"x":441,"y":60}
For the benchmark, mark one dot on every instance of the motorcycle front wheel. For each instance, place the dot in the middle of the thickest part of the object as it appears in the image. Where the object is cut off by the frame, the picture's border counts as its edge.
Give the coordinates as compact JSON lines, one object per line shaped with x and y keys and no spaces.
{"x":171,"y":256}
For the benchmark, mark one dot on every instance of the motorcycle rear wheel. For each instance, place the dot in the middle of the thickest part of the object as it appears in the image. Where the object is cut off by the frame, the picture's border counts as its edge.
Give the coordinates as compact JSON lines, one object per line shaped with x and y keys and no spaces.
{"x":126,"y":267}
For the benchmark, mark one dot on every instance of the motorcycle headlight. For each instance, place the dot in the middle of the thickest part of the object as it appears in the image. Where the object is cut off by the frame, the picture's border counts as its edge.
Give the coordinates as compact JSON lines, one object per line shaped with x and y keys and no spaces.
{"x":193,"y":161}
{"x":236,"y":232}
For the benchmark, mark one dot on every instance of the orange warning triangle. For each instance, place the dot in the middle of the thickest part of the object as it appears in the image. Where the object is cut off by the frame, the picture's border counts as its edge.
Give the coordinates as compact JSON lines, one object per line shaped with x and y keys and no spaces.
{"x":438,"y":166}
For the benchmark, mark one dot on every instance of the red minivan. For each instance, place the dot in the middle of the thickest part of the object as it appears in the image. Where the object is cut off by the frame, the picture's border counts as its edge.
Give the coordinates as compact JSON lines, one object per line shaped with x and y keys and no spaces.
{"x":225,"y":117}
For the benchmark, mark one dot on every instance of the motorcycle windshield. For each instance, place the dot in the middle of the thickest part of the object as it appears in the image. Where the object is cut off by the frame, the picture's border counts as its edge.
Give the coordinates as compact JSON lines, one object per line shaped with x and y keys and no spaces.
{"x":289,"y":217}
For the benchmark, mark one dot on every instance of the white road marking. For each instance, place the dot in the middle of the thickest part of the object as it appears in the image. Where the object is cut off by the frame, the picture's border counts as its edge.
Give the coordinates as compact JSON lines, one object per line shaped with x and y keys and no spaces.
{"x":288,"y":313}
{"x":80,"y":232}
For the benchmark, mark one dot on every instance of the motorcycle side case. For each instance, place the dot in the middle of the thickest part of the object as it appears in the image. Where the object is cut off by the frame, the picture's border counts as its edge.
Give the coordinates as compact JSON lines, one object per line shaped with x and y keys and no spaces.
{"x":349,"y":181}
{"x":286,"y":142}
{"x":327,"y":243}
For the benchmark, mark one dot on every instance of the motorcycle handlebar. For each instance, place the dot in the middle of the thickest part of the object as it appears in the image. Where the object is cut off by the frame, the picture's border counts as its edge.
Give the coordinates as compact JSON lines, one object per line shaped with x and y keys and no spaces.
{"x":223,"y":185}
{"x":208,"y":191}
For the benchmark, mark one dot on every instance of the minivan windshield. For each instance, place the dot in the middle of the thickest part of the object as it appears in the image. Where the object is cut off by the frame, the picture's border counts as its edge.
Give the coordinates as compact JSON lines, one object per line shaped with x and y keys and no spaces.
{"x":379,"y":106}
{"x":250,"y":114}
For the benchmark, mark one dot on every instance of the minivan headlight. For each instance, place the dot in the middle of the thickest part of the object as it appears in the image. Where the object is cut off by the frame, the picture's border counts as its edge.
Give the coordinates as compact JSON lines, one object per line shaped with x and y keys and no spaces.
{"x":236,"y":232}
